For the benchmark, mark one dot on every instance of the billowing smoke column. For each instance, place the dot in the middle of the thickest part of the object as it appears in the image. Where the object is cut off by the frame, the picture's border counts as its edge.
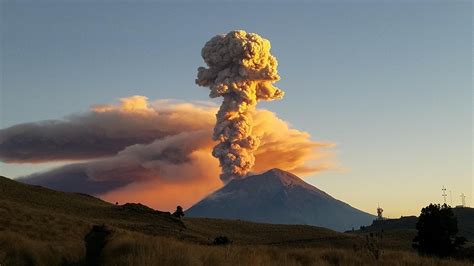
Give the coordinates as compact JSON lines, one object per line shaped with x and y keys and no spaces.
{"x":242,"y":70}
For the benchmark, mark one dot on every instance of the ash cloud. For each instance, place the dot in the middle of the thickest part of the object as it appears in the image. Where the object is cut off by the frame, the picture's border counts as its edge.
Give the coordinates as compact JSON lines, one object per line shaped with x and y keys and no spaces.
{"x":73,"y":178}
{"x":242,"y":70}
{"x":166,"y":158}
{"x":101,"y":132}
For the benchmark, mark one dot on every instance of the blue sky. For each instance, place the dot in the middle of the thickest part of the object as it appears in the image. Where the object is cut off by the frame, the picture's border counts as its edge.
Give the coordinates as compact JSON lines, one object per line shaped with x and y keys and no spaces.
{"x":389,"y":82}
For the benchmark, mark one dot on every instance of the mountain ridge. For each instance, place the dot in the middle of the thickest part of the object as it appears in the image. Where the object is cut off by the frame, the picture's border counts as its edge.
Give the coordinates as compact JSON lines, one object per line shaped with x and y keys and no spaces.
{"x":277,"y":196}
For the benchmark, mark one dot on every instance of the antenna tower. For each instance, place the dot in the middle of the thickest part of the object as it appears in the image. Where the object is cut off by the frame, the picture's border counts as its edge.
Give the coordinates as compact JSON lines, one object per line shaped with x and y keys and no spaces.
{"x":444,"y":194}
{"x":379,"y":213}
{"x":463,"y":200}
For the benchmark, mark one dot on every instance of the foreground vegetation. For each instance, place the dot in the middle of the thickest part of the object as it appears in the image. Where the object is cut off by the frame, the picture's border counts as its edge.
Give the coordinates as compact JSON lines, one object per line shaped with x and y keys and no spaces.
{"x":141,"y":250}
{"x":39,"y":226}
{"x":128,"y":248}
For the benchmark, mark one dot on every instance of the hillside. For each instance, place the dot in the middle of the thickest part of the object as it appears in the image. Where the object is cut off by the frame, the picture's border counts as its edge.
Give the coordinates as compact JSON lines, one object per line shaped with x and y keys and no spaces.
{"x":399,"y":233}
{"x":465,"y":217}
{"x":279,"y":197}
{"x":39,"y":226}
{"x":45,"y":213}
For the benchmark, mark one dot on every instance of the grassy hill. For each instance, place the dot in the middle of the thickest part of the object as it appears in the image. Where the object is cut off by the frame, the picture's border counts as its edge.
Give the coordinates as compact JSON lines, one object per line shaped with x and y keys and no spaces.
{"x":398,"y":233}
{"x":465,"y":217}
{"x":39,"y":226}
{"x":23,"y":206}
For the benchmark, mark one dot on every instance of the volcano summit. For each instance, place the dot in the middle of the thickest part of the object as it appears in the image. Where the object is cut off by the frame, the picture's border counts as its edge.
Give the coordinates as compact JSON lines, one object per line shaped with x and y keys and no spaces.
{"x":279,"y":197}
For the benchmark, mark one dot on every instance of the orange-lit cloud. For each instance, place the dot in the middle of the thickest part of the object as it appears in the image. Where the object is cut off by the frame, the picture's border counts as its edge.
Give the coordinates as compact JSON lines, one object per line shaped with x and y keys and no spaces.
{"x":157,"y":153}
{"x":177,"y":185}
{"x":287,"y":148}
{"x":103,"y":131}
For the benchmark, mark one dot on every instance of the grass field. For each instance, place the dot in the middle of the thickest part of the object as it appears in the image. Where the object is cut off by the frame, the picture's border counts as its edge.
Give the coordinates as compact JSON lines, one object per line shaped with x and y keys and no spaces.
{"x":39,"y":226}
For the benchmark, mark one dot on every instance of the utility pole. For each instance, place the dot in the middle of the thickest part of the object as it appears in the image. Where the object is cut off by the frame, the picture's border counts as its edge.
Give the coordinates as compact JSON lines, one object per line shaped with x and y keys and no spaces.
{"x":463,"y":200}
{"x":444,"y":194}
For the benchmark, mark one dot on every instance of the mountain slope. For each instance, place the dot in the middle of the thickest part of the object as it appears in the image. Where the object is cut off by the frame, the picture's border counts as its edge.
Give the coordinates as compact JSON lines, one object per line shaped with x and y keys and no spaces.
{"x":41,"y":213}
{"x":279,"y":197}
{"x":40,"y":226}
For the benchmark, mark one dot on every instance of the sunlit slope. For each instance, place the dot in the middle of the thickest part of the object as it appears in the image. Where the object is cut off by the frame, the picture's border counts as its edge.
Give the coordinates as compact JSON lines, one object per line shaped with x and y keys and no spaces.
{"x":45,"y":214}
{"x":25,"y":203}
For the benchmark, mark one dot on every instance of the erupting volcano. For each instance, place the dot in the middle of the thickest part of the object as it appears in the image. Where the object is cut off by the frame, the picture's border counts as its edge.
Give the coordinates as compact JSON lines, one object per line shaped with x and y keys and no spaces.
{"x":279,"y":197}
{"x":242,"y":70}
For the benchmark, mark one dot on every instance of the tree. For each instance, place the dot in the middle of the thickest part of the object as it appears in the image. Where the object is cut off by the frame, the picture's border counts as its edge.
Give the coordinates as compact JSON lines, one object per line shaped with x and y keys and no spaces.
{"x":437,"y":228}
{"x":179,"y":212}
{"x":96,"y":240}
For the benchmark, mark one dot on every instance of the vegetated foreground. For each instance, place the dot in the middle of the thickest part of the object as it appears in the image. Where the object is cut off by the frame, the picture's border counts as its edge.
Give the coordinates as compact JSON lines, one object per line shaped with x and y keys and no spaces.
{"x":39,"y":226}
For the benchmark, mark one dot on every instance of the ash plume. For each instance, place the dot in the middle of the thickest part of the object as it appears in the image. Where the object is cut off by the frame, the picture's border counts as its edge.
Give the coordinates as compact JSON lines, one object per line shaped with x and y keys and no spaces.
{"x":150,"y":151}
{"x":242,"y":71}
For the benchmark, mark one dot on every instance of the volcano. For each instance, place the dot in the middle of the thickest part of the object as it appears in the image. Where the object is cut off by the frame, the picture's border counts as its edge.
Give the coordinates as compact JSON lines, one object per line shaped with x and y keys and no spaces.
{"x":279,"y":197}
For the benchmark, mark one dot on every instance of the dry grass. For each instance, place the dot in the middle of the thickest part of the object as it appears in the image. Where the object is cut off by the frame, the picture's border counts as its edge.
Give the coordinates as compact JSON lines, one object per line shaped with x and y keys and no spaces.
{"x":128,"y":248}
{"x":33,"y":246}
{"x":136,"y":249}
{"x":132,"y":248}
{"x":243,"y":232}
{"x":16,"y":249}
{"x":44,"y":227}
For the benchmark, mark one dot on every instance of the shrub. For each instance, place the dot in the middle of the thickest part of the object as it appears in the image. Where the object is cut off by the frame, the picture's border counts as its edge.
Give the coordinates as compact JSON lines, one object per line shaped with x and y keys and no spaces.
{"x":95,"y":242}
{"x":437,"y":228}
{"x":221,"y":240}
{"x":179,"y":212}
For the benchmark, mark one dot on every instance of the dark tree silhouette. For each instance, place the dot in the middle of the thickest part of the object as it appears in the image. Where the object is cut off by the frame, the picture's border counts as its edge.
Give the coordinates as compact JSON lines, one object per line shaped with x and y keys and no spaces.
{"x":221,"y":240}
{"x":437,"y":228}
{"x":179,"y":212}
{"x":95,"y":242}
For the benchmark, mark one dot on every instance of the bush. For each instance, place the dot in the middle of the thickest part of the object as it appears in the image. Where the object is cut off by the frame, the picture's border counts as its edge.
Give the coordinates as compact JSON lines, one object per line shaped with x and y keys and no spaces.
{"x":221,"y":240}
{"x":95,"y":242}
{"x":179,"y":212}
{"x":437,"y":228}
{"x":372,"y":245}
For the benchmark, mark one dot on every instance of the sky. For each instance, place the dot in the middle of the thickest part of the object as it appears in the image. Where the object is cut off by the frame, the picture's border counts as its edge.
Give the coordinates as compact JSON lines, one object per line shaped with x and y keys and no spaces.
{"x":388,"y":82}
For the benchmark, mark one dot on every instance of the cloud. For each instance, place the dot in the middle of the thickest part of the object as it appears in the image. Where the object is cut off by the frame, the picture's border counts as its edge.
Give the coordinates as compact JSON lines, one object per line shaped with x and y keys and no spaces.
{"x":289,"y":149}
{"x":242,"y":70}
{"x":157,"y":153}
{"x":101,"y":132}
